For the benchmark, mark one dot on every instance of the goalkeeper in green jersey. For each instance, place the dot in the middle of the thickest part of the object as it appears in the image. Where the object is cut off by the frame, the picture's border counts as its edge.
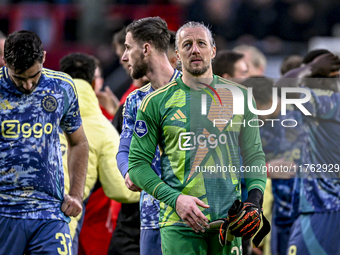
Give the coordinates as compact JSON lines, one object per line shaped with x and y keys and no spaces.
{"x":201,"y":140}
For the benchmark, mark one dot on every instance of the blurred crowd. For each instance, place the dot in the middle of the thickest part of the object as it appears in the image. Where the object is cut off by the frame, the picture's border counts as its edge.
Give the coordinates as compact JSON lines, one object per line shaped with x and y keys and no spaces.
{"x":238,"y":26}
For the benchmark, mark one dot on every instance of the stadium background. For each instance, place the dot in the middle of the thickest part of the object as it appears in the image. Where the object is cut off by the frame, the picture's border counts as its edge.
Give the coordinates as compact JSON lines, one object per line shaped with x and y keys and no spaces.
{"x":277,"y":27}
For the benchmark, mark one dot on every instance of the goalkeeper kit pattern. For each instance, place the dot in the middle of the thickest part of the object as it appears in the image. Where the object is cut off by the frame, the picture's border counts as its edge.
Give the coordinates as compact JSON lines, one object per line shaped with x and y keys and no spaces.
{"x":149,"y":205}
{"x":31,"y":171}
{"x":191,"y":144}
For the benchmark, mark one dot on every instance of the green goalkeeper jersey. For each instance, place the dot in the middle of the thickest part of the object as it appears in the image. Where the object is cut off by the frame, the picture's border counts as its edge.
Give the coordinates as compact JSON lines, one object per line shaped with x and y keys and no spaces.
{"x":201,"y":148}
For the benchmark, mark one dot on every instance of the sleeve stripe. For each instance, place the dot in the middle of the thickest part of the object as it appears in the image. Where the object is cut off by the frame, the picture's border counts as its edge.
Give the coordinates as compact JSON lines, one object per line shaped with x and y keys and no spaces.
{"x":173,"y":78}
{"x":144,"y":88}
{"x":5,"y":71}
{"x":52,"y":72}
{"x":147,"y":98}
{"x":260,"y":187}
{"x":154,"y":190}
{"x":57,"y":76}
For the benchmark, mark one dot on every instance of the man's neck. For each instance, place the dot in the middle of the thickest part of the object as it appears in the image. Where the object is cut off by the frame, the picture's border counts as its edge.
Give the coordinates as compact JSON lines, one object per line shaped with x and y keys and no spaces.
{"x":194,"y":81}
{"x":138,"y":83}
{"x":160,"y":71}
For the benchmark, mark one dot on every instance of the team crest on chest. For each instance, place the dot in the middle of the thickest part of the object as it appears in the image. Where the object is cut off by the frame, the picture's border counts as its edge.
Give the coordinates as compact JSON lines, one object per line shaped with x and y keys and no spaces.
{"x":49,"y":103}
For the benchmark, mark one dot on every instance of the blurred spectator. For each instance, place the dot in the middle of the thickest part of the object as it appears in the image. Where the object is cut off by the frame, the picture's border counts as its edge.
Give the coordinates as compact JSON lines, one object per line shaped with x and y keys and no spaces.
{"x":2,"y":43}
{"x":171,"y":50}
{"x":290,"y":62}
{"x":102,"y":138}
{"x":229,"y":64}
{"x":257,"y":18}
{"x":108,"y":102}
{"x":119,"y":80}
{"x":255,"y":59}
{"x":299,"y":20}
{"x":98,"y":77}
{"x":220,"y":14}
{"x":333,"y":17}
{"x":38,"y":19}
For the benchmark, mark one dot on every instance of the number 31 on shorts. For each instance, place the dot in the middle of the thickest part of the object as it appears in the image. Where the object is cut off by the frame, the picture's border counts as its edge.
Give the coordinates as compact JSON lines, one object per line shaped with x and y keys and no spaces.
{"x":66,"y":249}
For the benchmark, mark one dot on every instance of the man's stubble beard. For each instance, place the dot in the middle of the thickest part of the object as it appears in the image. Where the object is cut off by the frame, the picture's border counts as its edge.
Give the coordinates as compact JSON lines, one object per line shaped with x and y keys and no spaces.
{"x":140,"y":68}
{"x":197,"y":72}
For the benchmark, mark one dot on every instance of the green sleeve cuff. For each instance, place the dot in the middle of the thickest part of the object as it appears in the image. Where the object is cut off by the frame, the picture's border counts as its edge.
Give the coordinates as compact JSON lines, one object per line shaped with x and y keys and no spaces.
{"x":144,"y":177}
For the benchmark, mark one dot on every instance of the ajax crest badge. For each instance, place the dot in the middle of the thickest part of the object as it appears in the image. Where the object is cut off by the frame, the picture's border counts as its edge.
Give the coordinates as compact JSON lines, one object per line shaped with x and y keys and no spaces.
{"x":49,"y":103}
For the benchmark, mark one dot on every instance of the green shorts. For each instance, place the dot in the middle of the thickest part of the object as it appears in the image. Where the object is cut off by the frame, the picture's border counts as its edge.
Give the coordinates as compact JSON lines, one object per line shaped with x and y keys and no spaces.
{"x":183,"y":240}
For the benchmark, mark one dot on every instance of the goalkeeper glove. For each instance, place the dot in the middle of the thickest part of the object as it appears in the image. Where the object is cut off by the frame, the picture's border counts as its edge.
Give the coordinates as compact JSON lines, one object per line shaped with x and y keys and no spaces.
{"x":246,"y":222}
{"x":243,"y":220}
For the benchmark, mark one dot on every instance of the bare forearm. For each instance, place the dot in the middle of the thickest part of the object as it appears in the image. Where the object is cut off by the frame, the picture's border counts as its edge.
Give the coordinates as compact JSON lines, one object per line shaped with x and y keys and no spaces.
{"x":77,"y":165}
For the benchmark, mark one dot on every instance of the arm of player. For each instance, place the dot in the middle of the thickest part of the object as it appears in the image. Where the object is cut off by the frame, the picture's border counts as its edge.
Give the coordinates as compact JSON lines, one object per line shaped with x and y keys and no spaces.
{"x":324,"y":65}
{"x":125,"y":136}
{"x":78,"y":150}
{"x":142,"y":150}
{"x":111,"y":179}
{"x":122,"y":159}
{"x":123,"y":155}
{"x":129,"y":117}
{"x":325,"y":104}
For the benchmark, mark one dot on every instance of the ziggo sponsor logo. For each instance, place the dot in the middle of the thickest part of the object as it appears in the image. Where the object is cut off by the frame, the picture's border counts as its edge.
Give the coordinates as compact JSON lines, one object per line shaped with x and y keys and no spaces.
{"x":13,"y":128}
{"x":189,"y":141}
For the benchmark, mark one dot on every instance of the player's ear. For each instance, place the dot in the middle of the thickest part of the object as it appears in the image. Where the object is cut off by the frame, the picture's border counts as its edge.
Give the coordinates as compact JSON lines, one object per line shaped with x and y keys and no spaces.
{"x":146,"y":49}
{"x":178,"y":56}
{"x":44,"y":57}
{"x":213,"y":52}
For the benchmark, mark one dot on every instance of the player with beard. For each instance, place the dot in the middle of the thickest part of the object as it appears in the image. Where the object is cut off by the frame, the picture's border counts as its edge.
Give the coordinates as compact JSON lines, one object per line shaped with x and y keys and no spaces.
{"x":171,"y":117}
{"x":146,"y":45}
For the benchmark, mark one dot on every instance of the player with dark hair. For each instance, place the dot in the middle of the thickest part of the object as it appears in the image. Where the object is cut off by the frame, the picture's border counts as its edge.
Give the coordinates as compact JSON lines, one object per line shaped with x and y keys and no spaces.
{"x":35,"y":103}
{"x":229,"y":64}
{"x":150,"y":29}
{"x":127,"y":231}
{"x":144,"y":58}
{"x":316,"y":229}
{"x":189,"y":141}
{"x":79,"y":66}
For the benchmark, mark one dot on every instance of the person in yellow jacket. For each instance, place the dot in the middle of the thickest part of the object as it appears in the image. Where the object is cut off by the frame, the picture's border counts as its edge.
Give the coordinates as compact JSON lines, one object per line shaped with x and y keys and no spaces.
{"x":102,"y":137}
